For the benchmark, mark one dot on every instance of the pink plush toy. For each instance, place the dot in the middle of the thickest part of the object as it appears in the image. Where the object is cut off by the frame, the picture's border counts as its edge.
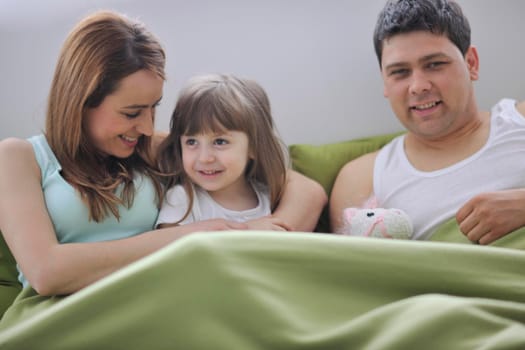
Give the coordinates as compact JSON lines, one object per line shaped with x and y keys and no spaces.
{"x":377,"y":222}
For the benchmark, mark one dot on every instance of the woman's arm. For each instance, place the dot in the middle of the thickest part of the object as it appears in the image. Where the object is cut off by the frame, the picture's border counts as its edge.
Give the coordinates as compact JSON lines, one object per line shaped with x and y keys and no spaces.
{"x":299,"y":209}
{"x":52,"y":268}
{"x":302,"y":203}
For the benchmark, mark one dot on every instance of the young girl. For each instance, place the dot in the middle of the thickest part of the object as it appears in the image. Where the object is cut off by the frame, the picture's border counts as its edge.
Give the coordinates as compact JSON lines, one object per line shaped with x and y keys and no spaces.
{"x":223,"y":154}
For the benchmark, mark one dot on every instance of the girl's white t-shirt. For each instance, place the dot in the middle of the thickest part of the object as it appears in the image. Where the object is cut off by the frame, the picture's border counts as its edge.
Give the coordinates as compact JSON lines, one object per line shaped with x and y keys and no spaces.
{"x":204,"y":207}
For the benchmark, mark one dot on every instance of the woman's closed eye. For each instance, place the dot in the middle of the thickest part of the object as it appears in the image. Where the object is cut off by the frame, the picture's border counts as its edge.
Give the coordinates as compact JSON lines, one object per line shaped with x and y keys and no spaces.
{"x":132,"y":115}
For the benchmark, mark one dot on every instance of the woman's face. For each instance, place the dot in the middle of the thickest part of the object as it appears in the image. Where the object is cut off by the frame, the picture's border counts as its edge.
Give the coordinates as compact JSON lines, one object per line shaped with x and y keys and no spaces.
{"x":115,"y":126}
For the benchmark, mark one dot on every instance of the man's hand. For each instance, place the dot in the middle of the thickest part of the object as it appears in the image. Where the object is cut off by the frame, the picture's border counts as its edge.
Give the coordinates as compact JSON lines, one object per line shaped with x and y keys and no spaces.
{"x":490,"y":216}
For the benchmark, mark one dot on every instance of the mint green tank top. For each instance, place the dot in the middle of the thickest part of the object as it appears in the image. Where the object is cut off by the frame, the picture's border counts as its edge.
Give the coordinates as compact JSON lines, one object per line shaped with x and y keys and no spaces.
{"x":70,"y":216}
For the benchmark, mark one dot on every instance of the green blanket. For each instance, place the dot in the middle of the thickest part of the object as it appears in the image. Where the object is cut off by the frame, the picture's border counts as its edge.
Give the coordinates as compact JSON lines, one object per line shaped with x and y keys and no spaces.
{"x":449,"y":232}
{"x":266,"y":290}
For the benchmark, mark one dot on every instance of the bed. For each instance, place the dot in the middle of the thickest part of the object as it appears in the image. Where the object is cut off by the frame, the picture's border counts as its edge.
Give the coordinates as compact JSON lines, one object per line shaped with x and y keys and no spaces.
{"x":298,"y":290}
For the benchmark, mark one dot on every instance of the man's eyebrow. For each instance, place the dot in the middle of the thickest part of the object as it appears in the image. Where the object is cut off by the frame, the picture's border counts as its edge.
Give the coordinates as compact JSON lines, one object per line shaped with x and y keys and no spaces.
{"x":142,"y":106}
{"x":420,"y":60}
{"x":432,"y":56}
{"x":395,"y":65}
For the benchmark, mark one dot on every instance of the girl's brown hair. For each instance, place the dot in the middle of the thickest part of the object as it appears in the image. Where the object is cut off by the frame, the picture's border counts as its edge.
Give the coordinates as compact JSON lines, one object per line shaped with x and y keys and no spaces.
{"x":214,"y":103}
{"x":99,"y":52}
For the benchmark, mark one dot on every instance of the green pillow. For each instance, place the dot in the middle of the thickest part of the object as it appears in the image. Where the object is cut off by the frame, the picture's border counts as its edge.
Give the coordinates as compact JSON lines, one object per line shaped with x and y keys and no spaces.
{"x":323,"y":162}
{"x":9,"y":284}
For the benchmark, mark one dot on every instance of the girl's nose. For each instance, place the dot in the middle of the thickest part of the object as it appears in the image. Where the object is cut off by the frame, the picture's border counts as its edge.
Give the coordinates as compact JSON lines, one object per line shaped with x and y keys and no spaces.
{"x":206,"y":154}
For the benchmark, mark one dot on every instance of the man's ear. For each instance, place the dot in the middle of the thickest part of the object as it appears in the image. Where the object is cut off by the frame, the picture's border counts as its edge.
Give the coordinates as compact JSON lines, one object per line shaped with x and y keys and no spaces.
{"x":383,"y":78}
{"x":472,"y":60}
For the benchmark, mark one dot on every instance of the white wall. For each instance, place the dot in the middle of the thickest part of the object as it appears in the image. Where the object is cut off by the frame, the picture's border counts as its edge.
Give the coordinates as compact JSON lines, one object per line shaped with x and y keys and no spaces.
{"x":314,"y":57}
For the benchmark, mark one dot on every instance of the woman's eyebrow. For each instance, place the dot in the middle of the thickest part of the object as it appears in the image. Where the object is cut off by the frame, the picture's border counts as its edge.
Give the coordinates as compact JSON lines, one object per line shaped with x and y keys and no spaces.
{"x":142,"y":106}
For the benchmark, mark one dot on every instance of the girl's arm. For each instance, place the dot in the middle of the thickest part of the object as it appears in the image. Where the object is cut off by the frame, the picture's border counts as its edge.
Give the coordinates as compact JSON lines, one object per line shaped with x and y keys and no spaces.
{"x":302,"y":203}
{"x":52,"y":268}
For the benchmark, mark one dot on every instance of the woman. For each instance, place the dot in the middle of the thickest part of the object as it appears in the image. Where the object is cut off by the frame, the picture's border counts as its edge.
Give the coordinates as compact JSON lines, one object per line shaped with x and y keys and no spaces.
{"x":88,"y":184}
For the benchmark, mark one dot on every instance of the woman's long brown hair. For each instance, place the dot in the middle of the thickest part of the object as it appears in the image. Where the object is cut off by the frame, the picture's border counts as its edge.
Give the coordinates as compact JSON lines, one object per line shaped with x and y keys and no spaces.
{"x":99,"y":52}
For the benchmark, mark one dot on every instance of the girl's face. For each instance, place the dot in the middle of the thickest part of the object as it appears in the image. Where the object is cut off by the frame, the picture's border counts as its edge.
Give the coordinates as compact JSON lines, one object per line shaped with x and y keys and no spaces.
{"x":216,"y":161}
{"x":116,"y":125}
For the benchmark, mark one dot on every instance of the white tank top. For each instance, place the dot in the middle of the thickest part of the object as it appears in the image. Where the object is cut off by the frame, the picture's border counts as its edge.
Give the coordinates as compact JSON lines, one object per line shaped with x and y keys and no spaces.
{"x":431,"y":198}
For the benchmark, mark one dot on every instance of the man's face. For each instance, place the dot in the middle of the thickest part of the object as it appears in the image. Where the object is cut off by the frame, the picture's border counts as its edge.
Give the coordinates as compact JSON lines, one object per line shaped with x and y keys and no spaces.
{"x":428,"y":82}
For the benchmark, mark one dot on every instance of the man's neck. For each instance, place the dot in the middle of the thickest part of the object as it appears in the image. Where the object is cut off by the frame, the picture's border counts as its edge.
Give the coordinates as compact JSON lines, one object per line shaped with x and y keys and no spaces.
{"x":430,"y":154}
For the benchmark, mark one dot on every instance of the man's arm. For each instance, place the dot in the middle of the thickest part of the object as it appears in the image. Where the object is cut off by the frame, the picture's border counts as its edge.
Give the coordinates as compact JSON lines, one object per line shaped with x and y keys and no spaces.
{"x":490,"y":216}
{"x":352,"y":188}
{"x":521,"y":108}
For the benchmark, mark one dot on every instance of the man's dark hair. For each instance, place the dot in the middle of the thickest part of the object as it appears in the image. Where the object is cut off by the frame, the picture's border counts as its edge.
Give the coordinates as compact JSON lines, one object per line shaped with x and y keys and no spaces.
{"x":440,"y":17}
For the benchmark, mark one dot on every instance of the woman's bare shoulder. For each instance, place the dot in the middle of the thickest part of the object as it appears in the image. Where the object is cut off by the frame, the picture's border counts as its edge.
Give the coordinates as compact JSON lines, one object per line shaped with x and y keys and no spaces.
{"x":15,"y":146}
{"x":17,"y":157}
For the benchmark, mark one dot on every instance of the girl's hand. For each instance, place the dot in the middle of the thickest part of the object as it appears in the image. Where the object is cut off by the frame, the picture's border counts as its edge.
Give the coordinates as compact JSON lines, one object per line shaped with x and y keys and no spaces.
{"x":268,"y":223}
{"x":209,"y":225}
{"x":219,"y":225}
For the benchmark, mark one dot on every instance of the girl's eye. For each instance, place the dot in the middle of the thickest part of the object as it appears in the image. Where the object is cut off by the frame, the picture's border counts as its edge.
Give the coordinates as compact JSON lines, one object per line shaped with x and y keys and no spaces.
{"x":221,"y":142}
{"x":190,"y":142}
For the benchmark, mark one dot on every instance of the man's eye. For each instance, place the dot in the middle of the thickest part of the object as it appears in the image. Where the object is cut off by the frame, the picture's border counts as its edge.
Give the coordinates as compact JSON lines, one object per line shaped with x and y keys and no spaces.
{"x":433,"y":65}
{"x":399,"y":72}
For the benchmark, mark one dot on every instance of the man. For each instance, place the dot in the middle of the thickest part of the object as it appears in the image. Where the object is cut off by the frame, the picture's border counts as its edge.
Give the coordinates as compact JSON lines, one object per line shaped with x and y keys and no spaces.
{"x":454,"y":160}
